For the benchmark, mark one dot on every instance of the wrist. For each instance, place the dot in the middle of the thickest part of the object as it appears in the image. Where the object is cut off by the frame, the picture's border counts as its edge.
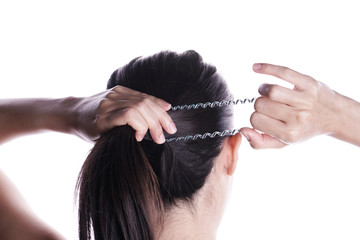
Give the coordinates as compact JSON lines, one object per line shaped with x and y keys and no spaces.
{"x":60,"y":115}
{"x":335,"y":104}
{"x":326,"y":110}
{"x":76,"y":116}
{"x":341,"y":105}
{"x":348,"y":117}
{"x":69,"y":113}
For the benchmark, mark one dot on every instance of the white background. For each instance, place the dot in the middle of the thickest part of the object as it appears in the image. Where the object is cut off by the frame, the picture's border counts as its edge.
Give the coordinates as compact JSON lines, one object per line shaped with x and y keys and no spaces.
{"x":63,"y":48}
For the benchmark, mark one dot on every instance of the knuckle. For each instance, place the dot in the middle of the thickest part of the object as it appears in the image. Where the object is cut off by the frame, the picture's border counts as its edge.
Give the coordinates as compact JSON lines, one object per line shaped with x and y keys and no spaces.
{"x":147,"y":100}
{"x":308,"y":101}
{"x":131,"y":117}
{"x":165,"y":119}
{"x":291,"y":135}
{"x":141,"y":105}
{"x":287,"y":71}
{"x":311,"y":80}
{"x":142,"y":129}
{"x":273,"y":92}
{"x":117,"y":88}
{"x":255,"y":146}
{"x":144,"y":96}
{"x":254,"y":119}
{"x":104,"y":103}
{"x":257,"y":104}
{"x":155,"y":126}
{"x":129,"y":113}
{"x":303,"y":118}
{"x":111,"y":94}
{"x":314,"y":86}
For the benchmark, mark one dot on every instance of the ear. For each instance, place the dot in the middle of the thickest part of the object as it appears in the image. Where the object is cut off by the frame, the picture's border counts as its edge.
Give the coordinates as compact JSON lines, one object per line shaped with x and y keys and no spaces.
{"x":231,"y":153}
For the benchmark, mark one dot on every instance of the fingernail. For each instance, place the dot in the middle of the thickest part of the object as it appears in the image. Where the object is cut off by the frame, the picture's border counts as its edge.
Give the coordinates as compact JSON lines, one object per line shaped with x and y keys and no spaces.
{"x":264,"y":89}
{"x":162,"y":138}
{"x":257,"y":66}
{"x":246,"y":136}
{"x":138,"y":137}
{"x":172,"y":127}
{"x":166,"y":106}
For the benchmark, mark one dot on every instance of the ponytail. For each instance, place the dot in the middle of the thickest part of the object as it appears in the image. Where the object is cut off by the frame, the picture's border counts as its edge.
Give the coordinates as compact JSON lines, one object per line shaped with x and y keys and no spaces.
{"x":119,"y":194}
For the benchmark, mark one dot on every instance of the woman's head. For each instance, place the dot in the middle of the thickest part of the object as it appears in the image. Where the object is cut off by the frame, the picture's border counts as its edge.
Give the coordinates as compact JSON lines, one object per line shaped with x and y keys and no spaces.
{"x":126,"y":186}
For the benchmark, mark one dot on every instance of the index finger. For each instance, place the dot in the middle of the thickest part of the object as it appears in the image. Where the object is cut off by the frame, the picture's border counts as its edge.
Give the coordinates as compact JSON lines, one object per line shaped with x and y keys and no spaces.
{"x":300,"y":80}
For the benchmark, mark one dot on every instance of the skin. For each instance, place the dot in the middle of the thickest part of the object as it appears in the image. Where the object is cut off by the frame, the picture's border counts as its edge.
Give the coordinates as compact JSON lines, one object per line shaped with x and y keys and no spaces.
{"x":201,"y":218}
{"x":283,"y":116}
{"x":87,"y":118}
{"x":17,"y":221}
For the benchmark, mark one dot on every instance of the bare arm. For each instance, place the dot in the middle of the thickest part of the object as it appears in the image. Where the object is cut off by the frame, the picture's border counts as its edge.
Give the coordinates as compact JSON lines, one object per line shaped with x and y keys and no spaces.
{"x":294,"y":115}
{"x":87,"y":117}
{"x":17,"y":221}
{"x":24,"y":116}
{"x":348,"y":126}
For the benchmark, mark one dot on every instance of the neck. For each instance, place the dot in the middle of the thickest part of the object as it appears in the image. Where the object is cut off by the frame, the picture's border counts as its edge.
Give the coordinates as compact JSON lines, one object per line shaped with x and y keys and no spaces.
{"x":196,"y":220}
{"x":184,"y":224}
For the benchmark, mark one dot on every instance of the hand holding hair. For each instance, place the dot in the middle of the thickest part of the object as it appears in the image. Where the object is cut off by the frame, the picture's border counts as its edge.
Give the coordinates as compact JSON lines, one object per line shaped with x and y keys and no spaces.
{"x":143,"y":190}
{"x":87,"y":117}
{"x":120,"y":106}
{"x":293,"y":115}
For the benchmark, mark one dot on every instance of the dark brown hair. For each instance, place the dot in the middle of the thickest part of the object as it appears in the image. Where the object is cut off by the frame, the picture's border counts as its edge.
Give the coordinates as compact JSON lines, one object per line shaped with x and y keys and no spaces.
{"x":124,"y":185}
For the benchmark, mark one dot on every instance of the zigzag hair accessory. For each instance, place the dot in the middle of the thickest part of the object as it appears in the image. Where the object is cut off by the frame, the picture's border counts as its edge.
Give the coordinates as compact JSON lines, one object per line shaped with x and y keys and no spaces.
{"x":223,"y":133}
{"x":205,"y":135}
{"x":222,"y":103}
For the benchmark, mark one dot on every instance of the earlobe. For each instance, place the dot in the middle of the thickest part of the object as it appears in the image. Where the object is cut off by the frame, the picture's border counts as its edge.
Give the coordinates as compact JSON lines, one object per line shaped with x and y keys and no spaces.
{"x":233,"y":145}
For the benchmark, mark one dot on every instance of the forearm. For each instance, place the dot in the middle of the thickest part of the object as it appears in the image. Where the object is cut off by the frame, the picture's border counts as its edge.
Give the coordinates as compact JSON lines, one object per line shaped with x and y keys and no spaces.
{"x":17,"y":221}
{"x":347,"y":120}
{"x":24,"y":116}
{"x":87,"y":117}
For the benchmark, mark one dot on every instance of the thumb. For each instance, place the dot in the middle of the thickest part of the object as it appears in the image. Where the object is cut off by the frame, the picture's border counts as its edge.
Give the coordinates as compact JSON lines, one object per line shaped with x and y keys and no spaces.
{"x":261,"y":140}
